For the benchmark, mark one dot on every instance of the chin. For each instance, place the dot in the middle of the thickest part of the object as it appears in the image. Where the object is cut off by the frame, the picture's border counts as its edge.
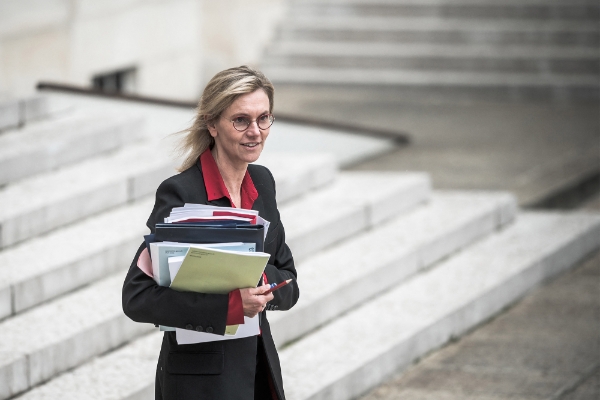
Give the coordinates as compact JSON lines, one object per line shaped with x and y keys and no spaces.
{"x":250,"y":158}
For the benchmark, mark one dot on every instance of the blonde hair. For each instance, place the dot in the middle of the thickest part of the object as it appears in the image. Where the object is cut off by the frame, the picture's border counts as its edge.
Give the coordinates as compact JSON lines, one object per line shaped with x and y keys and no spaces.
{"x":220,"y":92}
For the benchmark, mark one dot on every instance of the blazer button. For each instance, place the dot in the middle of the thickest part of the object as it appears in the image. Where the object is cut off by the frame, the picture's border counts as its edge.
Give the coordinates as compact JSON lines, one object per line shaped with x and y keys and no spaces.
{"x":189,"y":326}
{"x":199,"y":328}
{"x":209,"y":329}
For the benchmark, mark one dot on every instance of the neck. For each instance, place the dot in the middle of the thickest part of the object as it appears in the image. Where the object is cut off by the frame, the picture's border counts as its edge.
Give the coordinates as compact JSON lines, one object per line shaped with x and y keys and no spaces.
{"x":232,"y":174}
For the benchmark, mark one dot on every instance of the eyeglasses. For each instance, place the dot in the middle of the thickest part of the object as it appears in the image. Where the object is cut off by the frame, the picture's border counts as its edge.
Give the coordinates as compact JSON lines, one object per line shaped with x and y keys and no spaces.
{"x":242,"y":123}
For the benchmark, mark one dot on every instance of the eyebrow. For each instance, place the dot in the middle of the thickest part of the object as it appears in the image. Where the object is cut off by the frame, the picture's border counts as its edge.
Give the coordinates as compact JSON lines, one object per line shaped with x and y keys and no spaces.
{"x":243,"y":114}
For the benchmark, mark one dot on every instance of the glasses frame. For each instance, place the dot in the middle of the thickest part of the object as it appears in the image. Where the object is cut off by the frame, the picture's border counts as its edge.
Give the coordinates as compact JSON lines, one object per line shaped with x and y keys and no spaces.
{"x":251,"y":121}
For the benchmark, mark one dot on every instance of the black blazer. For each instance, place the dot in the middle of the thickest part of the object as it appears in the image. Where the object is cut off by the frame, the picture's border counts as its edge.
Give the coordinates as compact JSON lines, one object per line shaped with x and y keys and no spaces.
{"x":215,"y":370}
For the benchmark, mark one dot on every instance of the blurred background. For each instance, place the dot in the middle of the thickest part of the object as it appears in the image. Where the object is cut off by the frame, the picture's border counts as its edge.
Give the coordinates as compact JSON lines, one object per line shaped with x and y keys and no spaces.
{"x":493,"y":94}
{"x":480,"y":95}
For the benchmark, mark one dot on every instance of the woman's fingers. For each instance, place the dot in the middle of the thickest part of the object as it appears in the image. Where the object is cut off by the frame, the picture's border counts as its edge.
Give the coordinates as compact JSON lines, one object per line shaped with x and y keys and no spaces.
{"x":253,"y":301}
{"x":262,"y":289}
{"x":258,"y":291}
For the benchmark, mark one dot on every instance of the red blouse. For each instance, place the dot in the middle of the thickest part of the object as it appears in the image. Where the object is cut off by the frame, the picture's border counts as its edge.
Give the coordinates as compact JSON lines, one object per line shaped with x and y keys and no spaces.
{"x":216,"y":189}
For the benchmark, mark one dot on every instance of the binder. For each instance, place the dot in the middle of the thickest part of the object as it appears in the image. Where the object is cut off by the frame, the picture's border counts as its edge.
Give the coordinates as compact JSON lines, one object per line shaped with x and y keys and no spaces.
{"x":202,"y":233}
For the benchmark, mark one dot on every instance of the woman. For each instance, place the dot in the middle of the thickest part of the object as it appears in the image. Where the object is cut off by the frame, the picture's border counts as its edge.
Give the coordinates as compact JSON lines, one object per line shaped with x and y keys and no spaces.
{"x":231,"y":126}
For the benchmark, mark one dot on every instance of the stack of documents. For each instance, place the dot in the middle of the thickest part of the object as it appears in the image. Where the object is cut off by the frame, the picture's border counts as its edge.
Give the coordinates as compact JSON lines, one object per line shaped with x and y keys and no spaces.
{"x":202,"y":212}
{"x":208,"y":249}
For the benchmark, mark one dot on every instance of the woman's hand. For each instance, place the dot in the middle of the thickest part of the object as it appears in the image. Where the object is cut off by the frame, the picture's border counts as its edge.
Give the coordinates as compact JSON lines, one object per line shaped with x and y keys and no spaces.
{"x":253,"y":300}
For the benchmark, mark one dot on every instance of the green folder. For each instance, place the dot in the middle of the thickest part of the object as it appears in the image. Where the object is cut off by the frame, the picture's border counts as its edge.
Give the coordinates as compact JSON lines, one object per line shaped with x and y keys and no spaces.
{"x":219,"y":271}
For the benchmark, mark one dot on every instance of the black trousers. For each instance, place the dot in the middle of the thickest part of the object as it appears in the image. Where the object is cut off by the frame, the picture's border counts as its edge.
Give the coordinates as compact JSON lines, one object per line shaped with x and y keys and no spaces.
{"x":262,"y":388}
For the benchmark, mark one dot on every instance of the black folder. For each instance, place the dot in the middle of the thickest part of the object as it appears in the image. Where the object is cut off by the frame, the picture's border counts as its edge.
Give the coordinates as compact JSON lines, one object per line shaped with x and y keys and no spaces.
{"x":201,"y":233}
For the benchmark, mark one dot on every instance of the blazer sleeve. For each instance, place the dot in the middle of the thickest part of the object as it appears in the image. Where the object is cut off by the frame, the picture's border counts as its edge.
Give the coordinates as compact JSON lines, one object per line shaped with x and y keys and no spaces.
{"x":145,"y":301}
{"x":281,"y":265}
{"x":281,"y":269}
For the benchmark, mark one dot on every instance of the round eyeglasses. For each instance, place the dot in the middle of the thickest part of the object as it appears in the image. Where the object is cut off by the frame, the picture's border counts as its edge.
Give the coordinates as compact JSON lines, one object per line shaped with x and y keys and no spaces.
{"x":242,"y":123}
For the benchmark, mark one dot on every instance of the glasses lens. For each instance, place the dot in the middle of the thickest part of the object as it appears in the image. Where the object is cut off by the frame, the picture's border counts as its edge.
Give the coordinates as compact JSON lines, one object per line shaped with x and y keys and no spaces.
{"x":241,"y":123}
{"x":265,"y":121}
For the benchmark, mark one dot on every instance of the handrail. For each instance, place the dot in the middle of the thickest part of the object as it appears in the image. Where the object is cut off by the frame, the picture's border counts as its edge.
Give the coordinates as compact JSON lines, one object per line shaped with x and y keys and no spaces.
{"x":398,"y":137}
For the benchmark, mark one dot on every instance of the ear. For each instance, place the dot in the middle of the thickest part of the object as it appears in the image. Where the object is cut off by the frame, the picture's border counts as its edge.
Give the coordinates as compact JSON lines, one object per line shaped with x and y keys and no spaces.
{"x":212,"y":129}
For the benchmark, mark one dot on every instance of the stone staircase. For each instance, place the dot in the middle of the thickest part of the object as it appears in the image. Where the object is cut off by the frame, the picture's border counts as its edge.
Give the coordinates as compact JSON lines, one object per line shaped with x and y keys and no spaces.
{"x":16,"y":113}
{"x":512,"y":48}
{"x":392,"y":270}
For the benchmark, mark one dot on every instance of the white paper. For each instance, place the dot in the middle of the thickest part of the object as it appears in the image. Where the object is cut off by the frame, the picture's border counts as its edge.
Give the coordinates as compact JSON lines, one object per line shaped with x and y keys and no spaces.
{"x":191,"y":206}
{"x":250,"y":327}
{"x":174,"y":265}
{"x":265,"y":223}
{"x":204,"y":216}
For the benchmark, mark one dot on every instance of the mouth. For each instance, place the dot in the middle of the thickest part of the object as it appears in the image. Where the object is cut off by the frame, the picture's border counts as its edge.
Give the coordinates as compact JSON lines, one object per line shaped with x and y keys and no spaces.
{"x":253,"y":144}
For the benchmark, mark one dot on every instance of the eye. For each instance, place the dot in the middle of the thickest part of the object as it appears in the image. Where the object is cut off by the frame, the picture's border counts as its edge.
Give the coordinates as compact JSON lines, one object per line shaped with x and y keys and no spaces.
{"x":264,"y":118}
{"x":240,"y":120}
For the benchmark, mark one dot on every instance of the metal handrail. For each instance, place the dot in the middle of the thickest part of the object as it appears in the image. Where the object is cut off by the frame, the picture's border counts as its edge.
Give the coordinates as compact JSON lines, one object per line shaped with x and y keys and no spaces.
{"x":401,"y":138}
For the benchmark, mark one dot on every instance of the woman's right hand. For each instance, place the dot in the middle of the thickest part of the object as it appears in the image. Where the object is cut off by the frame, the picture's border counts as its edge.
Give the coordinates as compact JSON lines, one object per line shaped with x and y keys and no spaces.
{"x":254,"y":301}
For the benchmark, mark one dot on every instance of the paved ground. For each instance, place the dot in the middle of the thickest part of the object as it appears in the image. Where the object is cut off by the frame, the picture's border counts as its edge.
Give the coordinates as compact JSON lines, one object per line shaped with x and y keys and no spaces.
{"x":547,"y":346}
{"x":531,"y":149}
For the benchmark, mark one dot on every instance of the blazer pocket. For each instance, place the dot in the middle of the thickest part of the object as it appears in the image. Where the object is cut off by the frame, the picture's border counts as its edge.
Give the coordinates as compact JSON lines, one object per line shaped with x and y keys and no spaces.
{"x":196,"y":363}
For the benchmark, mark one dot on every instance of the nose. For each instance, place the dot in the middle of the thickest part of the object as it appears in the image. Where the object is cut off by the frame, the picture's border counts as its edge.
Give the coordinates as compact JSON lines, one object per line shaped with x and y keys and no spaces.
{"x":253,"y":128}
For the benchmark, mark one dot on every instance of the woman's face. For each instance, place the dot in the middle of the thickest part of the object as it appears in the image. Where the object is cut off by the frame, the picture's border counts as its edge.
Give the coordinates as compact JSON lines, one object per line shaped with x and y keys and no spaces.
{"x":241,"y":148}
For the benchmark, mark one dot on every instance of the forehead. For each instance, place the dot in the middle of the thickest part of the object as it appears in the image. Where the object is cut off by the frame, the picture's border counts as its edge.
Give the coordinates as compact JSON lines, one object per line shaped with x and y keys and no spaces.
{"x":256,"y":102}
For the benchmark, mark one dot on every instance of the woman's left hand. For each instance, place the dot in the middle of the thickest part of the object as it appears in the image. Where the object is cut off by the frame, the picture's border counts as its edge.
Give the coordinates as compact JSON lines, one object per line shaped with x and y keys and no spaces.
{"x":254,"y":301}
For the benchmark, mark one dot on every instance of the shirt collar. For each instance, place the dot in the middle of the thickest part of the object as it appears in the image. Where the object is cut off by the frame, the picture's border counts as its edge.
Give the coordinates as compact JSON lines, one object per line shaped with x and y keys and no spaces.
{"x":215,"y":187}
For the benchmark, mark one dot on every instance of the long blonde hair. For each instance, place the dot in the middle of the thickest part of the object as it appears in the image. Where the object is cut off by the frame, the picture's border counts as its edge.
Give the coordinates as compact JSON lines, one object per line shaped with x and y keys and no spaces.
{"x":220,"y":92}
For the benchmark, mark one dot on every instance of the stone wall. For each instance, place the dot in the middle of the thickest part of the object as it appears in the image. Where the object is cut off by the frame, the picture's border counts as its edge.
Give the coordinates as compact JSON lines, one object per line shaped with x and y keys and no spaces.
{"x":174,"y":45}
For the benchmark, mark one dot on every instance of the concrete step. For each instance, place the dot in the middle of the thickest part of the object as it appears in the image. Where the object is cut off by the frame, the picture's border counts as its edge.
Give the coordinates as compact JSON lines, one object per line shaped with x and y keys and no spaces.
{"x":39,"y":354}
{"x":47,"y":201}
{"x":356,"y":49}
{"x":50,"y":144}
{"x":480,"y":9}
{"x":441,"y":31}
{"x":525,"y":59}
{"x":393,"y":251}
{"x":97,"y":246}
{"x":15,"y":113}
{"x":297,"y":174}
{"x":60,"y":335}
{"x":49,"y":266}
{"x":347,"y":147}
{"x":349,"y":274}
{"x":362,"y":348}
{"x":563,"y":87}
{"x":127,"y":373}
{"x":356,"y":201}
{"x":514,"y":50}
{"x":108,"y":181}
{"x":344,"y":359}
